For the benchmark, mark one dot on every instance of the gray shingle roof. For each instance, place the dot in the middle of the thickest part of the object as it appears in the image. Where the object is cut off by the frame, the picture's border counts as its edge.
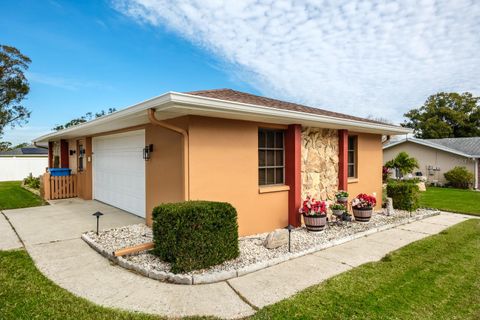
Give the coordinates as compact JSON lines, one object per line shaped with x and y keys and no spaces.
{"x":30,"y":150}
{"x":469,"y":146}
{"x":243,"y":97}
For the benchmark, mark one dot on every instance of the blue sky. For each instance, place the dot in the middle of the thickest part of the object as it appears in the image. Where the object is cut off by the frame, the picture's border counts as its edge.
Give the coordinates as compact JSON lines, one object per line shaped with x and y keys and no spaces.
{"x":87,"y":56}
{"x":360,"y":57}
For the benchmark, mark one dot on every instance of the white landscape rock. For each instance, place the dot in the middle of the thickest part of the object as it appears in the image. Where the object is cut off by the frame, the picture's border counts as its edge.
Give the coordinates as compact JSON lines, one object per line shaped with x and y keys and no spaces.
{"x":276,"y":239}
{"x":253,"y":253}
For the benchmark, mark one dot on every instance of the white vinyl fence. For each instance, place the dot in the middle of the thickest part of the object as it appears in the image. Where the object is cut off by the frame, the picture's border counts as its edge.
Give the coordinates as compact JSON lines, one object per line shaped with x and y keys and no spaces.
{"x":17,"y":168}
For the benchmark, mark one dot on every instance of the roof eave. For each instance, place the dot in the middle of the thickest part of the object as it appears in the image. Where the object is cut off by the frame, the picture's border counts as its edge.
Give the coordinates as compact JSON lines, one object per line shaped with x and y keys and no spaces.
{"x":212,"y":105}
{"x":122,"y":114}
{"x":293,"y":116}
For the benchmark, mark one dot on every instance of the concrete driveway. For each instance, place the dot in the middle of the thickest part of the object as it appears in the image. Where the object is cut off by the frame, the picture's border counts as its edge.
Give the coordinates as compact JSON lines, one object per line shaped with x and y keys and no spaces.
{"x":65,"y":219}
{"x":51,"y":235}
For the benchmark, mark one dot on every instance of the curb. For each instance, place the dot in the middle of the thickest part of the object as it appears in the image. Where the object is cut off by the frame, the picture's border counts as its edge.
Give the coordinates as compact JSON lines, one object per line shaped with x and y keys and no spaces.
{"x":217,"y":276}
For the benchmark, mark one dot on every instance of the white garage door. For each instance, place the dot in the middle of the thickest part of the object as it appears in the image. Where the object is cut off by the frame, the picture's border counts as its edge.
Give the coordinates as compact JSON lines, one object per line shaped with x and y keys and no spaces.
{"x":119,"y":171}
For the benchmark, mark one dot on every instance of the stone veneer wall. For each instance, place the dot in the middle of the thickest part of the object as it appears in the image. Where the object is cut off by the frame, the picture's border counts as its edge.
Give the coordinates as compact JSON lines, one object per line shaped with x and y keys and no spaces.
{"x":319,"y":162}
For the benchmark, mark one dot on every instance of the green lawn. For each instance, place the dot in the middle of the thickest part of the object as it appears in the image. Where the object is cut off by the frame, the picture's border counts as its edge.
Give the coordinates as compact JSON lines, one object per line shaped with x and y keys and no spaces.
{"x":26,"y":294}
{"x":435,"y":278}
{"x":13,"y":196}
{"x":453,"y":200}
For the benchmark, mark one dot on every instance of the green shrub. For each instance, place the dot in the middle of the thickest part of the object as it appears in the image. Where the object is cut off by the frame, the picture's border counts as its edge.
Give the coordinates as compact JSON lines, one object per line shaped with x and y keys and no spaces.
{"x":194,"y":235}
{"x":459,"y":177}
{"x":32,"y":182}
{"x":405,"y":195}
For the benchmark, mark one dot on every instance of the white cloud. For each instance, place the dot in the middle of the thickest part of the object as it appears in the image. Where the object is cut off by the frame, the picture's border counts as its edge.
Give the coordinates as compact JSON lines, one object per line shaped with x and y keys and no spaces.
{"x":357,"y":57}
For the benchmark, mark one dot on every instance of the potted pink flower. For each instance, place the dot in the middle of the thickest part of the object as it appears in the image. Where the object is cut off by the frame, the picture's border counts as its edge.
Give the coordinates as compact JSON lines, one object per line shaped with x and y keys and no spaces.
{"x":314,"y":214}
{"x":362,"y":206}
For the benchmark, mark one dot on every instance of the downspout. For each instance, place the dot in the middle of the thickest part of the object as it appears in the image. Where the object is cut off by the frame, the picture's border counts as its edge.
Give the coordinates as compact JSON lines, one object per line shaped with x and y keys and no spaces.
{"x":153,"y":120}
{"x":475,"y":169}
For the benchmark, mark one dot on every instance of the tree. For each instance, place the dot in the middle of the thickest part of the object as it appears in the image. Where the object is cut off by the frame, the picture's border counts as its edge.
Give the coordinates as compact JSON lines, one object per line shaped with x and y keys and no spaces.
{"x":446,"y":115}
{"x":403,"y":162}
{"x":87,"y":117}
{"x":13,"y":87}
{"x":6,"y":145}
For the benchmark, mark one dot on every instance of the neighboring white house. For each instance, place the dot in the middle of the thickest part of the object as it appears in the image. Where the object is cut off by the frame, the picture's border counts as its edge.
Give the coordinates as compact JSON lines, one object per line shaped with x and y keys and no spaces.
{"x":18,"y":163}
{"x":437,"y":156}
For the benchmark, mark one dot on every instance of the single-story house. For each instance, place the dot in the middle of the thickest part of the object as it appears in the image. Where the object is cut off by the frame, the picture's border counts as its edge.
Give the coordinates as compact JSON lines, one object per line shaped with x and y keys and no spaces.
{"x":261,"y":155}
{"x":18,"y":163}
{"x":437,"y":156}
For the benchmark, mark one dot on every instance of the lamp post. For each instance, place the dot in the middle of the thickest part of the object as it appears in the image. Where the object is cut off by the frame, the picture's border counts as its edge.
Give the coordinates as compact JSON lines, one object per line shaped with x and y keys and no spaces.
{"x":289,"y":228}
{"x":97,"y":214}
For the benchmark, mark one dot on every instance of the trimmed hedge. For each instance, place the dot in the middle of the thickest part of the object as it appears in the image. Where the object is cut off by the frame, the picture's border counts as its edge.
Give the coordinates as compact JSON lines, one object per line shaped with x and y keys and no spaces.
{"x":194,"y":235}
{"x":405,"y":195}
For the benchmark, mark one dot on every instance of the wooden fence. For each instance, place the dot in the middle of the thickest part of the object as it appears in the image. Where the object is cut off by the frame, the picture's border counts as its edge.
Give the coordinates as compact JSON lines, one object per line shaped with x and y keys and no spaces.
{"x":59,"y":187}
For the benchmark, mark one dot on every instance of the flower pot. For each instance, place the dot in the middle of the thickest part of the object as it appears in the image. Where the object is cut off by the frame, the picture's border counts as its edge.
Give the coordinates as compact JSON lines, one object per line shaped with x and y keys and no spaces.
{"x":315,"y":223}
{"x":362,"y":214}
{"x":342,"y":199}
{"x":337,"y":212}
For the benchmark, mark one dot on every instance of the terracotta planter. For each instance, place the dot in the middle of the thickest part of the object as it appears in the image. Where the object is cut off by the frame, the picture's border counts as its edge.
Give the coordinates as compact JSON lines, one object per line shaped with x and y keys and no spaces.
{"x":363,"y":214}
{"x":315,"y":223}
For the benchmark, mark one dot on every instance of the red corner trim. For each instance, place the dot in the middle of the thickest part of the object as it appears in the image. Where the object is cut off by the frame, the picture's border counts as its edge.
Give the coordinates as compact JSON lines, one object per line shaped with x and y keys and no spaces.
{"x":50,"y":154}
{"x":293,"y":175}
{"x":64,"y":154}
{"x":343,"y":159}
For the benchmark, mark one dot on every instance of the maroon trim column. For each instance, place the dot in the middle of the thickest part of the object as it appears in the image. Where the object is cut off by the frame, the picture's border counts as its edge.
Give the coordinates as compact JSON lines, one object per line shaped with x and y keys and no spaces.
{"x":293,"y":174}
{"x":50,"y":154}
{"x":343,"y":160}
{"x":64,"y":154}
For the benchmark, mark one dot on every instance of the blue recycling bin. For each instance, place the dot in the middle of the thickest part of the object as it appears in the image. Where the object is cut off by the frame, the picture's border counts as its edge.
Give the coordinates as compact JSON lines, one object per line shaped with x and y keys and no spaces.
{"x":59,"y":172}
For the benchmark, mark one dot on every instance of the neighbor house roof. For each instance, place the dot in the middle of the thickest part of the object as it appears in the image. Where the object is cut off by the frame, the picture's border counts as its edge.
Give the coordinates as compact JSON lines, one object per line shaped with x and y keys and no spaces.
{"x":224,"y":103}
{"x":26,"y":151}
{"x":467,"y":147}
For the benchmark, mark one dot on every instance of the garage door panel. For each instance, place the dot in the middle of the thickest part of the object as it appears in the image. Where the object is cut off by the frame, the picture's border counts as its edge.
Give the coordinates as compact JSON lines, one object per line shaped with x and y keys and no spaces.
{"x":119,"y":171}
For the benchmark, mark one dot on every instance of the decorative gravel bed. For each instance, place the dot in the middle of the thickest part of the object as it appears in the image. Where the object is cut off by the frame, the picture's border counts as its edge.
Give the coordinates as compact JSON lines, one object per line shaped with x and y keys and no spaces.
{"x":253,"y":255}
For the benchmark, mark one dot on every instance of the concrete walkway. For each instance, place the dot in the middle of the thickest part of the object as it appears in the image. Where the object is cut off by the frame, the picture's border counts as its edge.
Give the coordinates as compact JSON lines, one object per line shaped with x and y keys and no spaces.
{"x":52,"y":237}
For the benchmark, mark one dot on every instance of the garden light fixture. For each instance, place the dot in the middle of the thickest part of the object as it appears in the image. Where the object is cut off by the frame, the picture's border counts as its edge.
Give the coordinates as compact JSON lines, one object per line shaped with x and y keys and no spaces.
{"x":289,"y":228}
{"x":97,"y":214}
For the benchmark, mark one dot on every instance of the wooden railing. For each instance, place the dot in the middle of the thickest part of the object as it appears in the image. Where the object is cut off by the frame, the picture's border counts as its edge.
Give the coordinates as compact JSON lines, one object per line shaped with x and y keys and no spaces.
{"x":59,"y":187}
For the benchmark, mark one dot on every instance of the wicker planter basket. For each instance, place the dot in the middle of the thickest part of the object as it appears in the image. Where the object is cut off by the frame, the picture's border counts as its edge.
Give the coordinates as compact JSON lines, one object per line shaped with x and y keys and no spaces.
{"x":362,"y":215}
{"x":315,"y":223}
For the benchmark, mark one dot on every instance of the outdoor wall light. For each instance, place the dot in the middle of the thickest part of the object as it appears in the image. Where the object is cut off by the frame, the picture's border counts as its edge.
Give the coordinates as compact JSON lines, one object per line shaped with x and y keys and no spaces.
{"x":146,"y":152}
{"x":72,"y":152}
{"x":289,"y":228}
{"x":97,"y":214}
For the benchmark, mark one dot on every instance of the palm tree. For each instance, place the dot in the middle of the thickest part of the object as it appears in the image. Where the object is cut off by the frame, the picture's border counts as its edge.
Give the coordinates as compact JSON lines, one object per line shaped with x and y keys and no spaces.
{"x":403,"y":162}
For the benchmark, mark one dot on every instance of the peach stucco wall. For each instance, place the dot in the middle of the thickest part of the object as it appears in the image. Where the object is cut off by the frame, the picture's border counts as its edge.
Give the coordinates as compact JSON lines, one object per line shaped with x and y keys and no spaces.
{"x":224,"y":167}
{"x":164,"y":170}
{"x":369,"y":166}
